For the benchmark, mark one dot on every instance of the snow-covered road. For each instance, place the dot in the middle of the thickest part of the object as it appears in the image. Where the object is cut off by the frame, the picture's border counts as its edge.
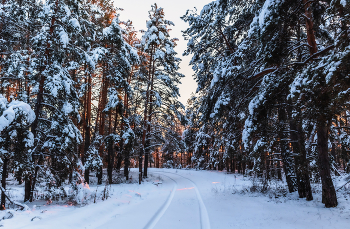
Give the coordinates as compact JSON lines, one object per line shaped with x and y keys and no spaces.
{"x":184,"y":207}
{"x":186,"y":199}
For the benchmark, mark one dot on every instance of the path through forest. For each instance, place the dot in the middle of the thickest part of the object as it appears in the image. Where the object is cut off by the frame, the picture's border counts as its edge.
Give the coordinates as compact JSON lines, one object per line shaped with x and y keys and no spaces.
{"x":186,"y":199}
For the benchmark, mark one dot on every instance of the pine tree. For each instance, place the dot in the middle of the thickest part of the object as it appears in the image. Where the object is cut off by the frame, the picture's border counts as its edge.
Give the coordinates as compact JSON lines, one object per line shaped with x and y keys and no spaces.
{"x":163,"y":75}
{"x":251,"y":66}
{"x":119,"y":60}
{"x":57,"y":101}
{"x":16,"y":141}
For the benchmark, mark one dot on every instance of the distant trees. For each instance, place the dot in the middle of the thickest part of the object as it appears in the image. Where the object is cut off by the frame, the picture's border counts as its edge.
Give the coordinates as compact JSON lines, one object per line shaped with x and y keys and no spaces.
{"x":273,"y":88}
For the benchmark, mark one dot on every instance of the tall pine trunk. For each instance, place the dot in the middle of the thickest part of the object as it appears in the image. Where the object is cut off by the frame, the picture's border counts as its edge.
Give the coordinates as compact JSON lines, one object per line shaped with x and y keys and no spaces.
{"x":301,"y":163}
{"x":3,"y":183}
{"x":286,"y":156}
{"x":110,"y":157}
{"x":87,"y":137}
{"x":102,"y":105}
{"x":125,"y":148}
{"x":148,"y":142}
{"x":329,"y":196}
{"x":145,"y":126}
{"x":262,"y":166}
{"x":311,"y":39}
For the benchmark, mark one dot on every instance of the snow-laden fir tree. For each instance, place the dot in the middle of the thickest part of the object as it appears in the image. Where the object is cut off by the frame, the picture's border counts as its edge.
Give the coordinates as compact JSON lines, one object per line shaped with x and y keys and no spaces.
{"x":118,"y":61}
{"x":161,"y":91}
{"x":56,"y":99}
{"x":216,"y":40}
{"x":16,"y":141}
{"x":247,"y":56}
{"x":18,"y":21}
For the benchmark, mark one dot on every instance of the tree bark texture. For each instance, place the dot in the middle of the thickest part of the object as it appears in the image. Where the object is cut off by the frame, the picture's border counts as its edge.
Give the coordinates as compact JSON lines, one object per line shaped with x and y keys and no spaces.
{"x":102,"y":105}
{"x":3,"y":183}
{"x":311,"y":39}
{"x":329,"y":196}
{"x":148,"y":141}
{"x":301,"y":163}
{"x":87,"y":137}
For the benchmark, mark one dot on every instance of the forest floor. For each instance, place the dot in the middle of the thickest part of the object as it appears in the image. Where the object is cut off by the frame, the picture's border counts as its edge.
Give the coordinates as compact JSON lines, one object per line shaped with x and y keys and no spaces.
{"x":184,"y":199}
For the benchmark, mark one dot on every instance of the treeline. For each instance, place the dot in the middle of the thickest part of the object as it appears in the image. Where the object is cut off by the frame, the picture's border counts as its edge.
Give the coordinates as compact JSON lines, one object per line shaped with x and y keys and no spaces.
{"x":81,"y":92}
{"x":273,"y":90}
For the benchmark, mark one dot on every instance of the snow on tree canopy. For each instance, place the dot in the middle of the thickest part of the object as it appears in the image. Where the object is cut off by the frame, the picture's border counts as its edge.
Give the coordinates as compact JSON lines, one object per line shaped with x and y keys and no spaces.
{"x":265,"y":12}
{"x":75,"y":23}
{"x":9,"y":111}
{"x":128,"y":135}
{"x":343,"y":2}
{"x":260,"y":20}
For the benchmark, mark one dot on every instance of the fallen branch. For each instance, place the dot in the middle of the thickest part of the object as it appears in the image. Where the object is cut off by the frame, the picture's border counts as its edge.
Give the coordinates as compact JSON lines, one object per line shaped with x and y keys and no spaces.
{"x":343,"y":185}
{"x":23,"y":207}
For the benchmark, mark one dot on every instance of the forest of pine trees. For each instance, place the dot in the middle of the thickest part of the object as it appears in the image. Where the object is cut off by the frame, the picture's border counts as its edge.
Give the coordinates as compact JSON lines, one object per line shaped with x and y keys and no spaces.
{"x":273,"y":90}
{"x":81,"y":92}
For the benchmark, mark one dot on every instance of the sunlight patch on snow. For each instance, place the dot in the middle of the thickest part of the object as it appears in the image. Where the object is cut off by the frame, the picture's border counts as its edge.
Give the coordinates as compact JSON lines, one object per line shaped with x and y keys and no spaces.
{"x":181,"y":189}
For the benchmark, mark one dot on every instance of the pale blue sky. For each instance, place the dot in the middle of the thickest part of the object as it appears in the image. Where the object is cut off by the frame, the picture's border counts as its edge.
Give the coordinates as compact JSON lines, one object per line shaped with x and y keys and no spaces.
{"x":137,"y":11}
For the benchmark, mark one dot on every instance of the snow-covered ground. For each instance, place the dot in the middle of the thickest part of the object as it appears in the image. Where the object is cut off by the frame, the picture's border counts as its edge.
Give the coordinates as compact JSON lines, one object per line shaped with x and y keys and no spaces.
{"x":175,"y":199}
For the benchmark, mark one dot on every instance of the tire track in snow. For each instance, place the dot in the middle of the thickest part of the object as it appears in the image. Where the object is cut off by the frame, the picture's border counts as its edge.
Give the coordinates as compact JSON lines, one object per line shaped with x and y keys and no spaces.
{"x":154,"y":220}
{"x":205,"y":223}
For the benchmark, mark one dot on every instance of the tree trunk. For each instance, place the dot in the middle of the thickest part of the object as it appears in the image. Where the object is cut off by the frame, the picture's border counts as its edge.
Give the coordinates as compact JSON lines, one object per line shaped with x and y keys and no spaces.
{"x":34,"y":179}
{"x":150,"y":160}
{"x":148,"y":143}
{"x":243,"y":167}
{"x":145,"y":126}
{"x":126,"y":164}
{"x":119,"y":161}
{"x":263,"y":164}
{"x":344,"y":27}
{"x":140,"y":165}
{"x":329,"y":196}
{"x":239,"y":166}
{"x":3,"y":183}
{"x":101,"y":131}
{"x":286,"y":156}
{"x":146,"y":163}
{"x":110,"y":162}
{"x":311,"y":39}
{"x":87,"y":140}
{"x":279,"y":174}
{"x":157,"y":159}
{"x":110,"y":156}
{"x":27,"y":187}
{"x":233,"y":165}
{"x":301,"y":163}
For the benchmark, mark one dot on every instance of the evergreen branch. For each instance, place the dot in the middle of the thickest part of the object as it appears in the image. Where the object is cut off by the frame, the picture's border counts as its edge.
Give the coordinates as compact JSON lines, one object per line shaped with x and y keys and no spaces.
{"x":299,"y":46}
{"x":302,"y":6}
{"x":49,"y":105}
{"x":264,"y":72}
{"x":312,"y":57}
